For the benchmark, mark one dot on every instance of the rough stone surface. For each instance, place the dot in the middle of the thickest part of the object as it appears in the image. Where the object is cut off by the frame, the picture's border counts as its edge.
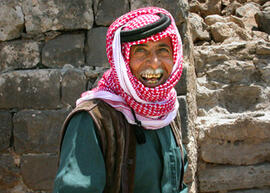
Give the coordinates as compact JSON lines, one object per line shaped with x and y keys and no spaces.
{"x":38,"y":131}
{"x":30,"y":89}
{"x":263,"y":190}
{"x":212,"y":19}
{"x":19,"y":54}
{"x":221,"y":178}
{"x":207,"y":57}
{"x":263,"y":48}
{"x":253,"y":127}
{"x":42,"y":16}
{"x":263,"y":19}
{"x":232,"y":71}
{"x":9,"y":172}
{"x":233,"y":97}
{"x":181,"y":86}
{"x":205,"y":8}
{"x":96,"y":55}
{"x":260,"y":35}
{"x":221,"y":31}
{"x":12,"y":20}
{"x":107,"y":11}
{"x":198,"y":28}
{"x":38,"y":171}
{"x":64,"y":49}
{"x":263,"y":65}
{"x":247,"y":12}
{"x":236,"y":20}
{"x":226,"y":76}
{"x":231,"y":8}
{"x":224,"y":152}
{"x":239,"y":33}
{"x":5,"y":129}
{"x":184,"y":116}
{"x":73,"y":84}
{"x":230,"y":99}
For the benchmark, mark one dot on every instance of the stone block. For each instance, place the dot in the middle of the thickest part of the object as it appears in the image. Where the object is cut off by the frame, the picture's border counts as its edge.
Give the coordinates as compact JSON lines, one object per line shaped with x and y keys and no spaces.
{"x":181,"y":86}
{"x":222,"y":178}
{"x":38,"y":171}
{"x":262,"y":190}
{"x":232,"y":55}
{"x":237,"y":127}
{"x":38,"y":131}
{"x":236,"y":20}
{"x":37,"y":89}
{"x":230,"y":8}
{"x":263,"y":49}
{"x":107,"y":11}
{"x":198,"y":28}
{"x":96,"y":47}
{"x":178,"y":9}
{"x":9,"y":172}
{"x":240,"y":98}
{"x":73,"y":84}
{"x":12,"y":20}
{"x":212,"y":19}
{"x":64,"y":49}
{"x":221,"y":31}
{"x":233,"y":71}
{"x":183,"y":109}
{"x":235,"y":153}
{"x":247,"y":12}
{"x":19,"y":54}
{"x":5,"y":129}
{"x":262,"y":18}
{"x":263,"y":65}
{"x":42,"y":16}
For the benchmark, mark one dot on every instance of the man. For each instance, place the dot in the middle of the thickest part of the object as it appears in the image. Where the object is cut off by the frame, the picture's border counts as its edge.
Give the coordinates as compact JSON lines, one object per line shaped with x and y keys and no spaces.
{"x":122,"y":136}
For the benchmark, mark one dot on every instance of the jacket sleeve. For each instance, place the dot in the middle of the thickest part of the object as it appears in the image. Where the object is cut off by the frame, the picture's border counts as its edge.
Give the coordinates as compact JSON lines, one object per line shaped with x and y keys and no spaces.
{"x":82,"y":167}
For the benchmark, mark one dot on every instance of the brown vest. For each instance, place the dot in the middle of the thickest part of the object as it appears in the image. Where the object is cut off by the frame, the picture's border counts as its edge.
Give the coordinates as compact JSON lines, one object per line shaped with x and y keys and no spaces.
{"x":118,"y":143}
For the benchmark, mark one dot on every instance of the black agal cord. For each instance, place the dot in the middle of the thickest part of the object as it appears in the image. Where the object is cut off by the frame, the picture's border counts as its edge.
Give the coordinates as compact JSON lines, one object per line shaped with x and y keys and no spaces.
{"x":147,"y":30}
{"x":140,"y":137}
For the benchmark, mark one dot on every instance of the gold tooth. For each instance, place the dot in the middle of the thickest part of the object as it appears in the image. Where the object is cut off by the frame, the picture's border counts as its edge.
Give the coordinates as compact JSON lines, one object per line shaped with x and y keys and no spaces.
{"x":151,"y":75}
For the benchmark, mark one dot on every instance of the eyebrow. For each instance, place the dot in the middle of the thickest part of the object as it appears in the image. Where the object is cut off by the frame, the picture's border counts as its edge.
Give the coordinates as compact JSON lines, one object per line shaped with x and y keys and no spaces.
{"x":164,"y":45}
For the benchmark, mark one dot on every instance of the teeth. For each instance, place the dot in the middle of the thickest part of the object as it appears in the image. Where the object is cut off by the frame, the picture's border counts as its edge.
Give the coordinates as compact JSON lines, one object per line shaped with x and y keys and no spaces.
{"x":151,"y":75}
{"x":152,"y":81}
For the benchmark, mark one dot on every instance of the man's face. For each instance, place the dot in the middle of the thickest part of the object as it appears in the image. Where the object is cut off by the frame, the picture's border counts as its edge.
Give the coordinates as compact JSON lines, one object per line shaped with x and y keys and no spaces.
{"x":151,"y":63}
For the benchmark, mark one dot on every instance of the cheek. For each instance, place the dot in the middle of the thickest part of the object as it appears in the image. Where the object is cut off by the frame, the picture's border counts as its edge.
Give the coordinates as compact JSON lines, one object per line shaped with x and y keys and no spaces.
{"x":168,"y":65}
{"x":134,"y":65}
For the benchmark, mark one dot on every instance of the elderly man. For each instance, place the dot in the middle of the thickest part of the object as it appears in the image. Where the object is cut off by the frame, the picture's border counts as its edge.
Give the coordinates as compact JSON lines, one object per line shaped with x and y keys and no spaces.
{"x":124,"y":135}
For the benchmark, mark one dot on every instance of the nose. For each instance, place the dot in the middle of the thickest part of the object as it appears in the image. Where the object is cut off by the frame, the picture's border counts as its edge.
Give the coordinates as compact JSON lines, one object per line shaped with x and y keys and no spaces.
{"x":154,"y":61}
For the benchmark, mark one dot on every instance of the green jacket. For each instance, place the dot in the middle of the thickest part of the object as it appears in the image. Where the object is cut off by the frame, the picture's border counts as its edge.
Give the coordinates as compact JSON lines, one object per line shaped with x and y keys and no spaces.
{"x":85,"y":160}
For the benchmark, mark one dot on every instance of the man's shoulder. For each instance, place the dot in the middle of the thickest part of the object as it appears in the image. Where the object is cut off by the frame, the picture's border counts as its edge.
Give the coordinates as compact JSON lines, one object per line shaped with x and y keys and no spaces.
{"x":101,"y":112}
{"x":95,"y":107}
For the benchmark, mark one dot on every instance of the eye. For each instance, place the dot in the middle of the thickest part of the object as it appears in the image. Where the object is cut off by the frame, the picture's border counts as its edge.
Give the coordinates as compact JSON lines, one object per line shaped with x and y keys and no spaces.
{"x":164,"y":51}
{"x":139,"y":51}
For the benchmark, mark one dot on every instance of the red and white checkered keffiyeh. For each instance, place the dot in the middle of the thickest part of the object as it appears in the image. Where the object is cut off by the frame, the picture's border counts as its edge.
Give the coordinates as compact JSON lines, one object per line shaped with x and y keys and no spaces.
{"x":154,"y":107}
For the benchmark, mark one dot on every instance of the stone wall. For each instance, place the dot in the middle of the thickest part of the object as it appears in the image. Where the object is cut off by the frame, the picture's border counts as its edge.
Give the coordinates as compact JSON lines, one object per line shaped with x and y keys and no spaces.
{"x":50,"y":52}
{"x":232,"y":62}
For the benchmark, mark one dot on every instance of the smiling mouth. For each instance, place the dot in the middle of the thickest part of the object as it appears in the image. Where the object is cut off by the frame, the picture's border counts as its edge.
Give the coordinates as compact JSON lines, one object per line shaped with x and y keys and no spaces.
{"x":152,"y":76}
